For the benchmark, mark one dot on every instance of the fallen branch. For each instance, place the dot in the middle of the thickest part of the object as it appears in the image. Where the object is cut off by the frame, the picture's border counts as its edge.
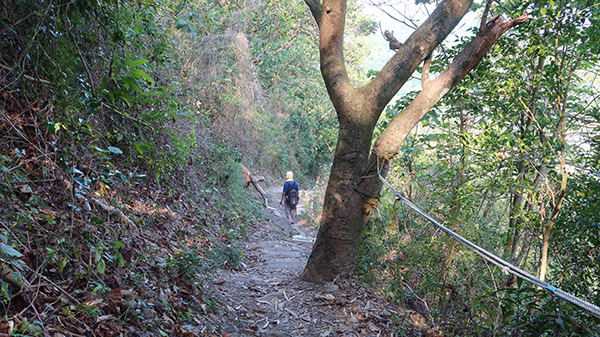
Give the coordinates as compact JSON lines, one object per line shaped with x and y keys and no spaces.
{"x":27,"y":77}
{"x":11,"y":277}
{"x":100,"y":203}
{"x":255,"y":180}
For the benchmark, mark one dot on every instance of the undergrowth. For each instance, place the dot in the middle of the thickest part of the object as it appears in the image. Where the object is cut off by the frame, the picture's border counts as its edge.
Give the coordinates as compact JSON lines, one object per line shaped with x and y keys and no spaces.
{"x":417,"y":267}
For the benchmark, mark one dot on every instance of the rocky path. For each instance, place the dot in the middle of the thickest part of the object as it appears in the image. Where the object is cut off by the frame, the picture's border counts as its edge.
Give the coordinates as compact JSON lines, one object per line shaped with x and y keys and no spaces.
{"x":265,"y":297}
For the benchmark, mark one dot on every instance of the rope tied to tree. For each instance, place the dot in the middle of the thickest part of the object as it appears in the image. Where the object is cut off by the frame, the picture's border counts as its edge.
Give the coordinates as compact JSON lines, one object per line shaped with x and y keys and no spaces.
{"x":506,"y":266}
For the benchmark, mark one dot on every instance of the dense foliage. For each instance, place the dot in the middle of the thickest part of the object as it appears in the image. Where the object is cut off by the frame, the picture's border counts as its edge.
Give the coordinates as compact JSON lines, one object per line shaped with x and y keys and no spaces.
{"x":506,"y":162}
{"x":124,"y":119}
{"x":123,"y":128}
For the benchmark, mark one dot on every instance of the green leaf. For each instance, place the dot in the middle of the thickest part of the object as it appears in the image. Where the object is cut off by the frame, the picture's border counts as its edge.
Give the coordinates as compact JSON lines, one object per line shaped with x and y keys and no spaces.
{"x":129,"y":82}
{"x":96,"y":221}
{"x":53,"y":128}
{"x":543,"y":10}
{"x":10,"y":251}
{"x":560,"y":322}
{"x":104,"y":83}
{"x":137,"y":73}
{"x":125,"y":97}
{"x":18,"y":264}
{"x":180,"y":23}
{"x":136,"y":176}
{"x":120,"y":259}
{"x":122,"y":176}
{"x":94,"y":147}
{"x":115,"y":150}
{"x":35,"y":330}
{"x":118,"y":244}
{"x":101,"y":267}
{"x":139,"y":146}
{"x":137,"y":63}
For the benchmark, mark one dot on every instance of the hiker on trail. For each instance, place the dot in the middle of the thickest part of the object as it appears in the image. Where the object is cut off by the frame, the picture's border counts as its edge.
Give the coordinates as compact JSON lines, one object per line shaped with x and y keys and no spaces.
{"x":290,"y":194}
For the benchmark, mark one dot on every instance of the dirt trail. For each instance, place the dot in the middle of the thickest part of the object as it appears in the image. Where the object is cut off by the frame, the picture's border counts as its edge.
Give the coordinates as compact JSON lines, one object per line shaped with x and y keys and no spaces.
{"x":265,"y":296}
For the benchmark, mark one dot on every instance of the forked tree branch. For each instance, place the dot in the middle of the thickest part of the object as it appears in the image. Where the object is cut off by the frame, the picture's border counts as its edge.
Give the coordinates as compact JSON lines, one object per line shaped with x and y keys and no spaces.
{"x":393,"y":136}
{"x":316,"y":8}
{"x":486,"y":11}
{"x":425,"y":72}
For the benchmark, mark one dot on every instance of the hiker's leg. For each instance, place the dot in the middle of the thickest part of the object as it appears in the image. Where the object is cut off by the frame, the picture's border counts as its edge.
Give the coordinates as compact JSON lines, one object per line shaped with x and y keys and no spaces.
{"x":288,"y":213}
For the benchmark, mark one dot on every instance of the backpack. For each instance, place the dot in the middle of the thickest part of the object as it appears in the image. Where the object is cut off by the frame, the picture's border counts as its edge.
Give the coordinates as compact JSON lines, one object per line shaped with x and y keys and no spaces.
{"x":292,"y":195}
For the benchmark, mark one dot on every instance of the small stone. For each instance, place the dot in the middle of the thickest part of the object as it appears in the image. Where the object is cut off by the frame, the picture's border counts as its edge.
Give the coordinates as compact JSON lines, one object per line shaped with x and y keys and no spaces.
{"x":147,"y":313}
{"x":330,"y":288}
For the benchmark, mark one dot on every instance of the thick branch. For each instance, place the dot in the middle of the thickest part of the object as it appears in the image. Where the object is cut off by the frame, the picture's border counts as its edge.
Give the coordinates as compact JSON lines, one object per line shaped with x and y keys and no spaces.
{"x":393,"y":136}
{"x":414,"y":50}
{"x":331,"y":49}
{"x":255,"y":180}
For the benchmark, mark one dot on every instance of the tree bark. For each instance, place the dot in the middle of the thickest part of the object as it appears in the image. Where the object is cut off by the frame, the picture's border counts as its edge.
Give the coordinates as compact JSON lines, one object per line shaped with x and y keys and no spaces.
{"x":349,"y":198}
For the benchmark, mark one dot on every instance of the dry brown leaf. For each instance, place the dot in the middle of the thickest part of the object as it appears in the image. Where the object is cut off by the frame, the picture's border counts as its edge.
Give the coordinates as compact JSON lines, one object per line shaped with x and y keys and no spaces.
{"x":127,"y":294}
{"x":326,"y":297}
{"x":373,"y":327}
{"x":362,"y":317}
{"x":104,"y":318}
{"x":94,"y":303}
{"x":114,"y":299}
{"x":331,"y":303}
{"x":292,"y":312}
{"x":181,"y":332}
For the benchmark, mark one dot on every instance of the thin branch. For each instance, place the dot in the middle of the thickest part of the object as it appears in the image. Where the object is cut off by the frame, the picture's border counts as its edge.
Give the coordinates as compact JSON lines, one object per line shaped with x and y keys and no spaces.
{"x":135,"y":119}
{"x":34,"y":13}
{"x":26,"y":76}
{"x":504,"y":7}
{"x":411,"y":24}
{"x":87,"y":69}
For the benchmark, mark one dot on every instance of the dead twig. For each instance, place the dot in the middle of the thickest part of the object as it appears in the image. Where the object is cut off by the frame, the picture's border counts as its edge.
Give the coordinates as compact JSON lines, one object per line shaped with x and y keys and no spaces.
{"x":32,"y":14}
{"x":27,"y":77}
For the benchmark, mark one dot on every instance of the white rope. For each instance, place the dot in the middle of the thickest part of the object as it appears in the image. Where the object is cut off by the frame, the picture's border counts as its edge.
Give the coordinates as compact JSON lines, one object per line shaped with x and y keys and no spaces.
{"x":504,"y":265}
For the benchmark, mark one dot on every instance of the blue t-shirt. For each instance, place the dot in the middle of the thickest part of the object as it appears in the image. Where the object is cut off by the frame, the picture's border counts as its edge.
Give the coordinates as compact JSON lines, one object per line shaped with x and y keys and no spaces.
{"x":288,"y":184}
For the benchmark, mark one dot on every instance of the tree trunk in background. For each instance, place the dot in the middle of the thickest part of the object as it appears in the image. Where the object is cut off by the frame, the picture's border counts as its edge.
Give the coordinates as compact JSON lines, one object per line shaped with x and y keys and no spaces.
{"x":349,"y":198}
{"x":516,"y":209}
{"x":561,"y":131}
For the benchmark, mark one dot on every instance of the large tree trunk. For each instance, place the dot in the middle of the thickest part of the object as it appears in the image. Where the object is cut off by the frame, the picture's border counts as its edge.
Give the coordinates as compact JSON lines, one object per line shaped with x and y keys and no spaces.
{"x":344,"y":211}
{"x":349,"y":198}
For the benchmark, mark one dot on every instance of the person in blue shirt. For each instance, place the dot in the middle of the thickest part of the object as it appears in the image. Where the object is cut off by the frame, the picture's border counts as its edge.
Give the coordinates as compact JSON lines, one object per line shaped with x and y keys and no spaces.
{"x":290,"y":212}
